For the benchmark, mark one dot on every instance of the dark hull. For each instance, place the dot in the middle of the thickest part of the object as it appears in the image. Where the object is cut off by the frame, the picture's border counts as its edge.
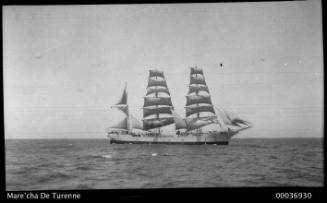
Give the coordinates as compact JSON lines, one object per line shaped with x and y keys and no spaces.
{"x":112,"y":141}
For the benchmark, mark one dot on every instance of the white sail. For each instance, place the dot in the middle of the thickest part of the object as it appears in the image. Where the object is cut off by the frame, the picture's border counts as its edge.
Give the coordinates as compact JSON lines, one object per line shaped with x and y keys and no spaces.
{"x":136,"y":123}
{"x":180,"y":123}
{"x":129,"y":122}
{"x":156,"y":122}
{"x":122,"y":125}
{"x":232,"y":122}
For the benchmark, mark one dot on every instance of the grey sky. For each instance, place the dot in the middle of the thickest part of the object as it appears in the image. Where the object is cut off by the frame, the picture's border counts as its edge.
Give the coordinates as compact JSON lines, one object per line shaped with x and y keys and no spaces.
{"x":65,"y":65}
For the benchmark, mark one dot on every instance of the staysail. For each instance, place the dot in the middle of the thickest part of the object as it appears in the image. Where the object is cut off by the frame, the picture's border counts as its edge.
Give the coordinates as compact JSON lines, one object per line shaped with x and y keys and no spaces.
{"x":198,"y":101}
{"x":123,"y":98}
{"x":180,"y":123}
{"x":156,"y":102}
{"x":129,"y":122}
{"x":228,"y":120}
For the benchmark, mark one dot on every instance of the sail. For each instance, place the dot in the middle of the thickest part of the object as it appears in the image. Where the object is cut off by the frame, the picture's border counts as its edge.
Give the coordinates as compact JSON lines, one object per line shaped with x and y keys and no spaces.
{"x":195,"y":123}
{"x":154,"y":104}
{"x":151,"y":101}
{"x":136,"y":123}
{"x":230,"y":119}
{"x":225,"y":119}
{"x":234,"y":120}
{"x":198,"y":109}
{"x":156,"y":122}
{"x":237,"y":121}
{"x":122,"y":125}
{"x":193,"y":88}
{"x":124,"y":109}
{"x":196,"y":70}
{"x":156,"y":110}
{"x":156,"y":73}
{"x":197,"y":80}
{"x":222,"y":119}
{"x":180,"y":123}
{"x":192,"y":123}
{"x":156,"y":89}
{"x":196,"y":99}
{"x":153,"y":82}
{"x":123,"y":99}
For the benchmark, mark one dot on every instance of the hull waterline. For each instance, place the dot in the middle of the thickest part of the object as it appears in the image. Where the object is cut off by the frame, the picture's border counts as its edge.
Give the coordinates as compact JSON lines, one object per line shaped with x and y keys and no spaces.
{"x":171,"y":142}
{"x":205,"y":139}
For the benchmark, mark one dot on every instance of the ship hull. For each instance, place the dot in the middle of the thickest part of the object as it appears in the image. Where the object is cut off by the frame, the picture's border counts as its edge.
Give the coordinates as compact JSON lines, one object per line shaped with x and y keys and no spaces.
{"x":170,"y":142}
{"x":217,"y":139}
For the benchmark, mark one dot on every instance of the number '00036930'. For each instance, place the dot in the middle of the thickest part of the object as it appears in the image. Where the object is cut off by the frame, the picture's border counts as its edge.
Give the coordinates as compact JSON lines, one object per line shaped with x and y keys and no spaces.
{"x":293,"y":195}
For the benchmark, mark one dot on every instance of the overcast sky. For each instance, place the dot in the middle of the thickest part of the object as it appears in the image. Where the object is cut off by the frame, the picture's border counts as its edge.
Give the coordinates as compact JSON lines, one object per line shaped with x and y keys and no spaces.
{"x":64,"y":66}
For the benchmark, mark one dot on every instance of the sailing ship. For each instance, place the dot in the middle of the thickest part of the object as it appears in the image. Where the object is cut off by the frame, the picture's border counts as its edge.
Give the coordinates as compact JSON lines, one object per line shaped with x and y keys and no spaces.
{"x":203,"y":123}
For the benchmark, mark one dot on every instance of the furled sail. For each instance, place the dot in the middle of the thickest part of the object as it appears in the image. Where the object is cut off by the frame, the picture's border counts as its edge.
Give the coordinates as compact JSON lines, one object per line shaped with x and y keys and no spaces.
{"x":197,"y":109}
{"x":156,"y":73}
{"x":155,"y":104}
{"x":156,"y":110}
{"x":156,"y":89}
{"x":156,"y":122}
{"x":196,"y":70}
{"x":151,"y":101}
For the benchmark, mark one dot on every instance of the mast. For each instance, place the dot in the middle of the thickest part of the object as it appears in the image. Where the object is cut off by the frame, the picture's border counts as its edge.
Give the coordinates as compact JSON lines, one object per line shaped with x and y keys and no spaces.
{"x":197,"y":94}
{"x":155,"y":104}
{"x":157,"y":115}
{"x":198,"y":100}
{"x":129,"y":122}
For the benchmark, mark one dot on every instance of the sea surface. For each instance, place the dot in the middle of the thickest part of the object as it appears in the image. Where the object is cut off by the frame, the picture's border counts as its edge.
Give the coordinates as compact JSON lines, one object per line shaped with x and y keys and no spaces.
{"x":95,"y":164}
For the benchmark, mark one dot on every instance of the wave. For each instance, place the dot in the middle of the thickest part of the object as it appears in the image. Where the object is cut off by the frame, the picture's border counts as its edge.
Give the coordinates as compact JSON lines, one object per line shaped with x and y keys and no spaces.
{"x":83,"y":167}
{"x":54,"y":176}
{"x":83,"y":187}
{"x":117,"y":158}
{"x":273,"y":157}
{"x":107,"y":156}
{"x":97,"y":156}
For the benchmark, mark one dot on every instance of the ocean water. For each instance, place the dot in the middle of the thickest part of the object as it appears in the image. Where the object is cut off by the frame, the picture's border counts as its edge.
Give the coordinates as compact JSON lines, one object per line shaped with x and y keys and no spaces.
{"x":95,"y":164}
